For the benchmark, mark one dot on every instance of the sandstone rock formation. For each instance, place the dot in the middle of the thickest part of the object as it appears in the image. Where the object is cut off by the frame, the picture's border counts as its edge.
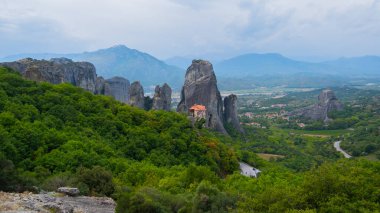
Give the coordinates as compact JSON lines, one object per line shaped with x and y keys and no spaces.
{"x":57,"y":70}
{"x":200,"y":87}
{"x":118,"y":88}
{"x":136,"y":95}
{"x":162,"y":98}
{"x":230,"y":112}
{"x":81,"y":74}
{"x":99,"y":85}
{"x":327,"y":102}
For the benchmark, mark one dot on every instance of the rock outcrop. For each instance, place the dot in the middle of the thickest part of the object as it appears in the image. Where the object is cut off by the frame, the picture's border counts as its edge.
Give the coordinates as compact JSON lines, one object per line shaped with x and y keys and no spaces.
{"x":69,"y":191}
{"x":54,"y":202}
{"x":200,"y":87}
{"x":327,"y":102}
{"x":118,"y":88}
{"x":81,"y":74}
{"x":230,"y":112}
{"x":162,"y":98}
{"x":136,"y":95}
{"x":99,"y":85}
{"x":57,"y":70}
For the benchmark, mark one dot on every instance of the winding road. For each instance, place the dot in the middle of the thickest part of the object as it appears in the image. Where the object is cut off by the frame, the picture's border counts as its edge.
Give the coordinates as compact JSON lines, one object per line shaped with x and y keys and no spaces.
{"x":337,"y":147}
{"x":248,"y":170}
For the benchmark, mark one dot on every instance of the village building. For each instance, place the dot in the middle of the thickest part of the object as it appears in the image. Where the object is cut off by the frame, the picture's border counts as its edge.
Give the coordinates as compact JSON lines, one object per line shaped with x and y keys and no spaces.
{"x":302,"y":125}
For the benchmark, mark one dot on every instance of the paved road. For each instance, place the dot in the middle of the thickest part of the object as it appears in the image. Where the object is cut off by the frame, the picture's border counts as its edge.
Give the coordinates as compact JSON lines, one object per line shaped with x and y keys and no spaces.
{"x":248,"y":170}
{"x":337,"y":147}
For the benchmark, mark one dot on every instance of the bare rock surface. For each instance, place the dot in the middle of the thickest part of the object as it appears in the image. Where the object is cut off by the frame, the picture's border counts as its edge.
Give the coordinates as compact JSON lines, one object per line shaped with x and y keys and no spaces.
{"x":117,"y":87}
{"x":200,"y":87}
{"x":162,"y":98}
{"x":81,"y":74}
{"x":230,"y":112}
{"x":68,"y":191}
{"x":99,"y":85}
{"x":57,"y":70}
{"x":54,"y":202}
{"x":136,"y":95}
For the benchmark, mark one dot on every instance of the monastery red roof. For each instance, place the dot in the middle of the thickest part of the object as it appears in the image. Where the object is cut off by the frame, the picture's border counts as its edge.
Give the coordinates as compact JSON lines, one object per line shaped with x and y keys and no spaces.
{"x":197,"y":107}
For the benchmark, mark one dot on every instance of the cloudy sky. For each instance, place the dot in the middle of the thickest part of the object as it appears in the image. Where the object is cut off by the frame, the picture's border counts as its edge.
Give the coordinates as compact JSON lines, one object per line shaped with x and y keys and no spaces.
{"x":303,"y":29}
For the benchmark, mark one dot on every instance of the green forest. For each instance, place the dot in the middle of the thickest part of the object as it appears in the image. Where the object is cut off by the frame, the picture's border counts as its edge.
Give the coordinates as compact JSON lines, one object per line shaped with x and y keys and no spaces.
{"x":155,"y":161}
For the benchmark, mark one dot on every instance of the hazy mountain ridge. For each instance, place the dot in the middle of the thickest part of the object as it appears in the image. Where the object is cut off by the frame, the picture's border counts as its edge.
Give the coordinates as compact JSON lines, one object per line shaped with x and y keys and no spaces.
{"x":240,"y":72}
{"x":253,"y":70}
{"x":366,"y":64}
{"x":272,"y":63}
{"x":121,"y":61}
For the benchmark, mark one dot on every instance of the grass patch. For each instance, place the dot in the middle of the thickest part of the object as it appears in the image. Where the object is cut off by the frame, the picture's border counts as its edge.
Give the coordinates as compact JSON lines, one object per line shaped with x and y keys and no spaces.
{"x":268,"y":157}
{"x":371,"y":157}
{"x":319,"y":133}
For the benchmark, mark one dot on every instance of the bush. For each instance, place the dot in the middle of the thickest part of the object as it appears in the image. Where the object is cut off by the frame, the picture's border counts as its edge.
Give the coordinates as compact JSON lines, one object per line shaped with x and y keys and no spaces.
{"x":148,"y":199}
{"x":208,"y":198}
{"x":98,"y":180}
{"x":59,"y":180}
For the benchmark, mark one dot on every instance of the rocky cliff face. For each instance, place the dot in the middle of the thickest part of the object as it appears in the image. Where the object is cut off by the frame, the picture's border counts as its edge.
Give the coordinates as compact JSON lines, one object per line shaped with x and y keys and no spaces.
{"x":162,"y":98}
{"x":200,"y":87}
{"x":327,"y":102}
{"x":230,"y":112}
{"x":81,"y":74}
{"x":118,"y":88}
{"x":99,"y":85}
{"x":136,"y":95}
{"x":57,"y":70}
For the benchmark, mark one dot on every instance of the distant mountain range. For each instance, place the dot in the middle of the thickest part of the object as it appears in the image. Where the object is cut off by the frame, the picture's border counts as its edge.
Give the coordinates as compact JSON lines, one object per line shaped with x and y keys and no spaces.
{"x":240,"y":72}
{"x":275,"y":64}
{"x":122,"y":61}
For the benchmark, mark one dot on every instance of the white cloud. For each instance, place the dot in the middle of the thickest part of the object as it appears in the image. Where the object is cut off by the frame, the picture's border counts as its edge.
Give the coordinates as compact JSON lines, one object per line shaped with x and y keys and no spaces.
{"x":178,"y":27}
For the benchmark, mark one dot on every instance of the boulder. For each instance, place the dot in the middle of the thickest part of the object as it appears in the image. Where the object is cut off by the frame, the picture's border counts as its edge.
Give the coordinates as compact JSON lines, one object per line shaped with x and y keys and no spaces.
{"x":162,"y":98}
{"x":68,"y":191}
{"x":136,"y":95}
{"x":230,"y":112}
{"x":200,"y":87}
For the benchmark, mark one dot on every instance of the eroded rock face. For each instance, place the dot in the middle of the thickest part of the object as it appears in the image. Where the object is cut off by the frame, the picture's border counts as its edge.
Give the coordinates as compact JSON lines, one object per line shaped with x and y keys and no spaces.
{"x":136,"y":95}
{"x":57,"y":70}
{"x":327,"y":102}
{"x":118,"y":88}
{"x":230,"y":112}
{"x":81,"y":74}
{"x":99,"y":85}
{"x":162,"y":98}
{"x":200,"y":87}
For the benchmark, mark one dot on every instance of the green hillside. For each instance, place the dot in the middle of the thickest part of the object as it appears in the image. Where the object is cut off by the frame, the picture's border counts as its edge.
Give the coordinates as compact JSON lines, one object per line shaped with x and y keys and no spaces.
{"x":155,"y":161}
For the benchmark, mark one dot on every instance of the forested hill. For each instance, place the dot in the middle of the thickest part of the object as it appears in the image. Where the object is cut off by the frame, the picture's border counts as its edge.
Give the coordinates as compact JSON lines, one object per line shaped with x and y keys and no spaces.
{"x":60,"y":128}
{"x":155,"y":161}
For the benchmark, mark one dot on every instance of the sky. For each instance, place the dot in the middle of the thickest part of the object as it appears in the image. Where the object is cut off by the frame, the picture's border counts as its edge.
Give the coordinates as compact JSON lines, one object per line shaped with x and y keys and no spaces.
{"x":302,"y":29}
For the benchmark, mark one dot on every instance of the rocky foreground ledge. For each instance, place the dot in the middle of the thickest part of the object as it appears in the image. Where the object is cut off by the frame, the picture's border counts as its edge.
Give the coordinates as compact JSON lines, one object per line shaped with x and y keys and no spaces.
{"x":54,"y":202}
